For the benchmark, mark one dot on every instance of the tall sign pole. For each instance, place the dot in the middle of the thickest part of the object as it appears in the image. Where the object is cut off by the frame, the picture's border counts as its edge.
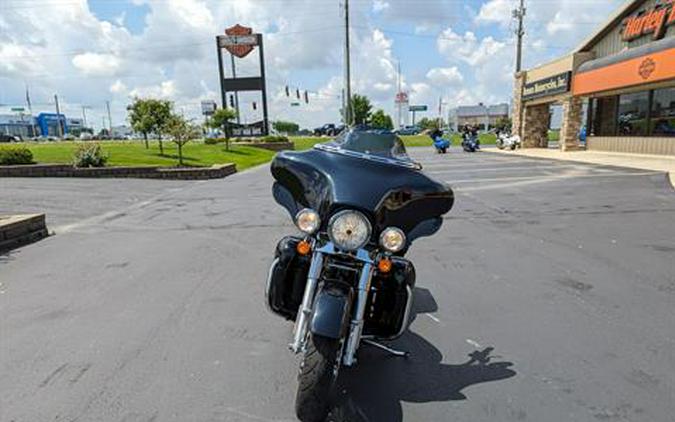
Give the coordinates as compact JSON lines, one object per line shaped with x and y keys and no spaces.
{"x":348,"y":89}
{"x":236,"y":94}
{"x":263,"y":83}
{"x":519,"y":14}
{"x":58,"y":116}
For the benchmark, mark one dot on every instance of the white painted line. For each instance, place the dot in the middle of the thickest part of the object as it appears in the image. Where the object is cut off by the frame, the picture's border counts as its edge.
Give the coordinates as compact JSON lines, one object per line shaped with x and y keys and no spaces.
{"x":493,"y":169}
{"x":433,"y":318}
{"x":474,"y":343}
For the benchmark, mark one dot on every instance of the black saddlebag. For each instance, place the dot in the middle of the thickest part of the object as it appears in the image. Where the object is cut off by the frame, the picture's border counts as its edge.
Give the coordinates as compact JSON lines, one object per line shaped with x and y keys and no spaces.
{"x":390,"y":301}
{"x":287,"y":278}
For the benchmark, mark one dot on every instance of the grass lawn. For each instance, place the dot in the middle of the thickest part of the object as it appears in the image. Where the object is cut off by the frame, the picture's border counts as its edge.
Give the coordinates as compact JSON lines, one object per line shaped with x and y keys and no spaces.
{"x":133,"y":153}
{"x":425,"y":141}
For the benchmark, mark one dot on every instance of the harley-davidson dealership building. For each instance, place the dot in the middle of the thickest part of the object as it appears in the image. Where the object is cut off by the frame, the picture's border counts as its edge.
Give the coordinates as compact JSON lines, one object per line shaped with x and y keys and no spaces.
{"x":619,"y":85}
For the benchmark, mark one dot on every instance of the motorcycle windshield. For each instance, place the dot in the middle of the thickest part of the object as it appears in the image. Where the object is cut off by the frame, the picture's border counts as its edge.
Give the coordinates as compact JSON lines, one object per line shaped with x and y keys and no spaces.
{"x":365,"y":170}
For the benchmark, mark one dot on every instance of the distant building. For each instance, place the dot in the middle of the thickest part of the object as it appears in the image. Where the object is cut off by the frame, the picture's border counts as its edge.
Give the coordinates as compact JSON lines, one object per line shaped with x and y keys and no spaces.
{"x":485,"y":117}
{"x":122,"y":131}
{"x":49,"y":124}
{"x":21,"y":125}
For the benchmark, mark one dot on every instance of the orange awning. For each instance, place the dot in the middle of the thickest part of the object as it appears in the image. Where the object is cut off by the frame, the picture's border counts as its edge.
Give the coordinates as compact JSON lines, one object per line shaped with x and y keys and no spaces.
{"x":645,"y":69}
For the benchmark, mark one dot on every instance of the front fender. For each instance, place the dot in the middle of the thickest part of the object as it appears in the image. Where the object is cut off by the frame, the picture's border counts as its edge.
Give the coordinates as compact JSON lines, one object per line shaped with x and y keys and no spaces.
{"x":331,"y":315}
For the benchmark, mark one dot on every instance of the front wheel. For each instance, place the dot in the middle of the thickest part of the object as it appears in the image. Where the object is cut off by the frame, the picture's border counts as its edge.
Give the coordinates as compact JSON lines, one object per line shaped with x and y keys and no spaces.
{"x":316,"y":380}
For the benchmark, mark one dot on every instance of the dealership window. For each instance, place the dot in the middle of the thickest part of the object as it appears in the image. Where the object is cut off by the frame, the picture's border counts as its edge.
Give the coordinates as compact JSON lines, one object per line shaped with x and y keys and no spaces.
{"x":603,"y":116}
{"x":646,"y":113}
{"x":663,"y":112}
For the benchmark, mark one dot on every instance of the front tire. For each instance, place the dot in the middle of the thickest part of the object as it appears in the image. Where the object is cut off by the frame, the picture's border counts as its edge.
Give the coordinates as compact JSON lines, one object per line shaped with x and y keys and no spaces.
{"x":316,"y":379}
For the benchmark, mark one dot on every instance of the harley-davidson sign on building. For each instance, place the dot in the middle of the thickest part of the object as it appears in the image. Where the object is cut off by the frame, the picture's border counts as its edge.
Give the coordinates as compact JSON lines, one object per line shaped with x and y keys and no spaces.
{"x":620,"y":86}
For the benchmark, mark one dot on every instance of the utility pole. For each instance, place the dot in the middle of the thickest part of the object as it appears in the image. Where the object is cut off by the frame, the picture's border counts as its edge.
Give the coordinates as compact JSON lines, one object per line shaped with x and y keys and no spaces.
{"x":58,"y":116}
{"x":399,"y":122}
{"x":84,"y":115}
{"x":519,"y":14}
{"x":348,"y":89}
{"x":107,"y":105}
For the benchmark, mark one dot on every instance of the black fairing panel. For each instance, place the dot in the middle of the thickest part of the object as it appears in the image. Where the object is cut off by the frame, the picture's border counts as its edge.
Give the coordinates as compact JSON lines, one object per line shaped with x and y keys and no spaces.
{"x":390,"y":194}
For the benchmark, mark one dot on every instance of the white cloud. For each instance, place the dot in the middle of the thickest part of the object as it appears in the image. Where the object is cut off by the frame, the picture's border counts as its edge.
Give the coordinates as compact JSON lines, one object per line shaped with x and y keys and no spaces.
{"x":380,"y":5}
{"x":97,"y":64}
{"x":118,"y":87}
{"x":445,"y":76}
{"x":496,"y":11}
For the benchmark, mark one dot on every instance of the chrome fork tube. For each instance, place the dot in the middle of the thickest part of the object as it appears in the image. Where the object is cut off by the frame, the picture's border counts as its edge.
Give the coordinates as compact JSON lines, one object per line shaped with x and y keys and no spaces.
{"x":305,"y":309}
{"x":360,"y":310}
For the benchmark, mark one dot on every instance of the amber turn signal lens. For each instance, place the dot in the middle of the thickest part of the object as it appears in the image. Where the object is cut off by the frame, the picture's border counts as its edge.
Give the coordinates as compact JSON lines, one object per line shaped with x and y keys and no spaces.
{"x":303,"y":247}
{"x":384,"y":265}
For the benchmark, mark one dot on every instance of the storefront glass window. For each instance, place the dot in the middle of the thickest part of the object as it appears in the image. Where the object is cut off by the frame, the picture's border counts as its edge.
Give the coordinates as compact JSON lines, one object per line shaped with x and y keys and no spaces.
{"x":633,"y":111}
{"x":663,"y":112}
{"x":603,"y":117}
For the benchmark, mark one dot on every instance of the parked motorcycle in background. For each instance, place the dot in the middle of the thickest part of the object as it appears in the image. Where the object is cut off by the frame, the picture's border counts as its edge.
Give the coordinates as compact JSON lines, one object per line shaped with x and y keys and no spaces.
{"x":359,"y":202}
{"x":440,"y":143}
{"x":507,"y":141}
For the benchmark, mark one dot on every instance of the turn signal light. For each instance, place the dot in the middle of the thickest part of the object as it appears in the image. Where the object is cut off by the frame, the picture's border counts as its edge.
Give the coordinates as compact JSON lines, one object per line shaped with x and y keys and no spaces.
{"x":304,"y":248}
{"x":384,"y":265}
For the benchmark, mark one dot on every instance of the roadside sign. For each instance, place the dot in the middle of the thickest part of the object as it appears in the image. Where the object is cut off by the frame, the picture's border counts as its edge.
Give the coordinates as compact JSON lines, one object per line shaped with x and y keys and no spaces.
{"x":208,"y":107}
{"x":418,"y":108}
{"x":295,"y":104}
{"x":18,"y":109}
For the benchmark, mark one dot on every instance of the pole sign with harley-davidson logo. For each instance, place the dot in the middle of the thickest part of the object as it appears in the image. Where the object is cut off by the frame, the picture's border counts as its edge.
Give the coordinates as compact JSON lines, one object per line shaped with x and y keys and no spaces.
{"x":240,"y":41}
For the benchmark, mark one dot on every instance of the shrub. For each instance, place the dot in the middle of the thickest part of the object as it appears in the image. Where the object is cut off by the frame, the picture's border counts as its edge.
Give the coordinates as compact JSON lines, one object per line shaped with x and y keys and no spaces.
{"x":90,"y":155}
{"x":214,"y":141}
{"x":15,"y":155}
{"x":264,"y":139}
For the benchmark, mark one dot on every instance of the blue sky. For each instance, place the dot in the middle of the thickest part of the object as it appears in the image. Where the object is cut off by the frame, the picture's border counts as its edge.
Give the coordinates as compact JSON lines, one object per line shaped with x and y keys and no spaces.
{"x":90,"y":52}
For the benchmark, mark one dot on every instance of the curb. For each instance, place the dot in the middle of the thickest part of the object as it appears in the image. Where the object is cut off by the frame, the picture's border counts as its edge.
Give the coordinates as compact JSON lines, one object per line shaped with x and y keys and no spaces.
{"x":20,"y":230}
{"x":670,"y":175}
{"x":142,"y":172}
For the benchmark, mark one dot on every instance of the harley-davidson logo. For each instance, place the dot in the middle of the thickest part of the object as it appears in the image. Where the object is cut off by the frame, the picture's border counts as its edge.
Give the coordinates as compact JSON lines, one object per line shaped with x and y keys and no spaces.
{"x":239,"y":50}
{"x":647,"y":67}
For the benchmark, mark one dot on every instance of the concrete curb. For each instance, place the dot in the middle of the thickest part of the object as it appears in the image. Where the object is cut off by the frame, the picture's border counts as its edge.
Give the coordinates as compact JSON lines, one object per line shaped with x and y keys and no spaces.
{"x":634,"y":161}
{"x":19,"y":230}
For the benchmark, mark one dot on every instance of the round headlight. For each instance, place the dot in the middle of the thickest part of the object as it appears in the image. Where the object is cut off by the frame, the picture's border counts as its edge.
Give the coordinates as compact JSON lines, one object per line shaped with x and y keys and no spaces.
{"x":392,"y":239}
{"x":349,"y":230}
{"x":308,"y":221}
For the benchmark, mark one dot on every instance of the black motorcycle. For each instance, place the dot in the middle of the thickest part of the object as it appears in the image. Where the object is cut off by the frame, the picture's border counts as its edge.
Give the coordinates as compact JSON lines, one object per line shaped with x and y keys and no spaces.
{"x":359,"y":201}
{"x":470,"y":142}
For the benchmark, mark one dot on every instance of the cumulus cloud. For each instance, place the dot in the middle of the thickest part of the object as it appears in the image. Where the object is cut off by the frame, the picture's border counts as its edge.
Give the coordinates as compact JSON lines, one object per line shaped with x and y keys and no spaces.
{"x":445,"y":76}
{"x":498,"y":11}
{"x":97,"y":64}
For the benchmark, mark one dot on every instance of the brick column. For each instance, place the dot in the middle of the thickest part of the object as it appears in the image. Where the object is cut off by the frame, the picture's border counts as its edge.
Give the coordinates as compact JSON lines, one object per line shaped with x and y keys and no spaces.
{"x":535,"y":126}
{"x":571,"y":124}
{"x":517,"y":109}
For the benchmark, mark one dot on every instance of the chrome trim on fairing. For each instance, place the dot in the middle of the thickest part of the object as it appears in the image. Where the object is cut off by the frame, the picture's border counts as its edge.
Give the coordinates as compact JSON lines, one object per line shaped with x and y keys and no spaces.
{"x":356,"y":154}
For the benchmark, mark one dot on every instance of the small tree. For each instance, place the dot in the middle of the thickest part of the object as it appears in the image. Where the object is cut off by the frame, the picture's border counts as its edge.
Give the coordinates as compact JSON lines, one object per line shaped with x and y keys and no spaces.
{"x":140,"y":118}
{"x":286,"y":127}
{"x":220,"y":120}
{"x":181,"y":131}
{"x":160,"y":113}
{"x":503,"y":124}
{"x":381,"y":120}
{"x":425,"y":123}
{"x":361,"y":109}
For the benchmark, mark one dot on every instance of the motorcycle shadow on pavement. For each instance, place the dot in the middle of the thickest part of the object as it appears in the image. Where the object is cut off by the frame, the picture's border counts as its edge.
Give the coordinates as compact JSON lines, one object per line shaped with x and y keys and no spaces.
{"x":374,"y":389}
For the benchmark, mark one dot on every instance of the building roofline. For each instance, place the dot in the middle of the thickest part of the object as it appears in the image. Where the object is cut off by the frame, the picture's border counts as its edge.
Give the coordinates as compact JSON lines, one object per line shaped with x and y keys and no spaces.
{"x":605,"y":28}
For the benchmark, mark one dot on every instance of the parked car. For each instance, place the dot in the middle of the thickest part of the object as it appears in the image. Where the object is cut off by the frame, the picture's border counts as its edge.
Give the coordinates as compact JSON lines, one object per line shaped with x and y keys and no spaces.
{"x":329,"y":129}
{"x":9,"y":138}
{"x":408,"y":131}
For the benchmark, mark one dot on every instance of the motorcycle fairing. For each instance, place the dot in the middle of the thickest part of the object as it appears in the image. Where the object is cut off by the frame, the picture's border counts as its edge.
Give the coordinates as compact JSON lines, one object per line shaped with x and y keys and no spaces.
{"x":390,"y":194}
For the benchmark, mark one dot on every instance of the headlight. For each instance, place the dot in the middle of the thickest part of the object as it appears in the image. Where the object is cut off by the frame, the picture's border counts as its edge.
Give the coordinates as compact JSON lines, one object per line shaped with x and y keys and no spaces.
{"x":349,"y":230}
{"x":308,"y":221}
{"x":392,"y":239}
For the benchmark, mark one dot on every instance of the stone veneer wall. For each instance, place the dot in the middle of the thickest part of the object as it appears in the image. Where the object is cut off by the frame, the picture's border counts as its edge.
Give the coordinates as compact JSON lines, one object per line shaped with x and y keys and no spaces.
{"x":147,"y":172}
{"x":572,"y":116}
{"x":535,"y":126}
{"x":517,"y":109}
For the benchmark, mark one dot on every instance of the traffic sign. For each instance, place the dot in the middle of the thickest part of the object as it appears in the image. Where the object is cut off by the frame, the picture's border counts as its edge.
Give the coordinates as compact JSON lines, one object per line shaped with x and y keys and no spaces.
{"x":18,"y":109}
{"x":418,"y":108}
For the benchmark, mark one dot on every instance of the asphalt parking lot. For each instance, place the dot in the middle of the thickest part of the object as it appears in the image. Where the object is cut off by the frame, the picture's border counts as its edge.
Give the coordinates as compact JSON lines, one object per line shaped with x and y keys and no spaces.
{"x":547,"y":296}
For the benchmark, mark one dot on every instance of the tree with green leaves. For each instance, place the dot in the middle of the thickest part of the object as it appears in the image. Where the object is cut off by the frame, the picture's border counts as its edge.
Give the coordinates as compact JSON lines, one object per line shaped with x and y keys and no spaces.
{"x":503,"y":124}
{"x":426,"y":123}
{"x":381,"y":120}
{"x":181,"y":131}
{"x":286,"y":127}
{"x":160,"y":112}
{"x":139,"y":118}
{"x":221,"y":120}
{"x":361,"y":109}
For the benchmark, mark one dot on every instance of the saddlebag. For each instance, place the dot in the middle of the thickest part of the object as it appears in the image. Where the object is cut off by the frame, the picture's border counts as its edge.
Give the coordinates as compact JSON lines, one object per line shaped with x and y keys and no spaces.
{"x":287,"y":278}
{"x":390,"y":301}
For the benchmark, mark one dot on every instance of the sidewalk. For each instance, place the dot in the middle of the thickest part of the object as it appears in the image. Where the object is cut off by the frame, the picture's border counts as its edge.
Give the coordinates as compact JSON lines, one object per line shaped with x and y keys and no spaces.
{"x":664,"y":163}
